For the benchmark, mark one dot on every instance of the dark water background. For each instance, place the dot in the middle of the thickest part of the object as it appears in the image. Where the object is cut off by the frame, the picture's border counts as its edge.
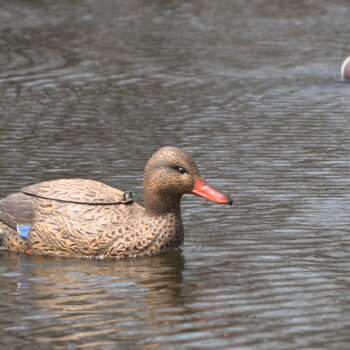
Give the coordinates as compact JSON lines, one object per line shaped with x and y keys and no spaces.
{"x":251,"y":89}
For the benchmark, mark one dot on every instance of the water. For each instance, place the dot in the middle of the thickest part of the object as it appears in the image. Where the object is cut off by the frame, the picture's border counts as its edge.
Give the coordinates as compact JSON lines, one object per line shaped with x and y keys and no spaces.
{"x":252,"y":91}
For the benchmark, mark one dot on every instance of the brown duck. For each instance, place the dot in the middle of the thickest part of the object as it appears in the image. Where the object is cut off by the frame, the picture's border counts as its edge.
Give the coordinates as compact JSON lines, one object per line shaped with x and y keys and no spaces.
{"x":79,"y":217}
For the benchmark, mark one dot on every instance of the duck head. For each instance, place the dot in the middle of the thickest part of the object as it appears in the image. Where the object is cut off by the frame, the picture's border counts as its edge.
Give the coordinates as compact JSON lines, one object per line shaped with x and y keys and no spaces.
{"x":170,"y":173}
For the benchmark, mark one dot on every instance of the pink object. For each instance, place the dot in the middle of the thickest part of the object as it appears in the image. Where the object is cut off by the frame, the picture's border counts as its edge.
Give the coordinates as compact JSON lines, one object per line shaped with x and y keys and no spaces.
{"x":345,"y":69}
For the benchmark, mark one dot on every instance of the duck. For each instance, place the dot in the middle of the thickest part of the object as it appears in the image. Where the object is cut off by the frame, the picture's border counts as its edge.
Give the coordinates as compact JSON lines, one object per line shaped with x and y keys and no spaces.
{"x":345,"y":69}
{"x":87,"y":218}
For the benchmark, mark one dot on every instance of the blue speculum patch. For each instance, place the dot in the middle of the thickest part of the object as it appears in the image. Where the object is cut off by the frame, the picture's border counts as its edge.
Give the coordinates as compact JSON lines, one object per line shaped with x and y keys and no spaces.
{"x":24,"y":230}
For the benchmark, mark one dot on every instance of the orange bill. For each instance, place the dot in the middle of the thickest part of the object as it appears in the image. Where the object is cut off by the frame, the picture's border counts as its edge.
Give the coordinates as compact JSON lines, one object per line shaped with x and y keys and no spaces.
{"x":203,"y":189}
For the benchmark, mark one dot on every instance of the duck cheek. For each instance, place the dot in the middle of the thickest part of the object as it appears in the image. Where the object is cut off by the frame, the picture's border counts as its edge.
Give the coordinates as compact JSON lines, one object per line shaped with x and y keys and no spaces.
{"x":188,"y":185}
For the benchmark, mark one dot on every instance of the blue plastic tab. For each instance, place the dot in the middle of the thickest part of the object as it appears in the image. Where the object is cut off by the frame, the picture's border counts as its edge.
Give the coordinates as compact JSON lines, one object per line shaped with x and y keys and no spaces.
{"x":24,"y":230}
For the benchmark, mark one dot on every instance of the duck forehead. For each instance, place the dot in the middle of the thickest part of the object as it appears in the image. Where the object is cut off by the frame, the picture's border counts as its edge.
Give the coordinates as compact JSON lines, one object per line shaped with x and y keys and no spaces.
{"x":170,"y":155}
{"x":182,"y":159}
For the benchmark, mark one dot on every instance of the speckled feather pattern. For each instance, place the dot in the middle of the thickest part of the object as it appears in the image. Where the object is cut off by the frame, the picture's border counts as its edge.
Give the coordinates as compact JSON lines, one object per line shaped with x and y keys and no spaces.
{"x":77,"y":191}
{"x":69,"y":229}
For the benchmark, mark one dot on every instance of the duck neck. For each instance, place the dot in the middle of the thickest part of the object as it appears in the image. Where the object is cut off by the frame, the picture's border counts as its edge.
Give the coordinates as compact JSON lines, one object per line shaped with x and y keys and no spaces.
{"x":159,"y":205}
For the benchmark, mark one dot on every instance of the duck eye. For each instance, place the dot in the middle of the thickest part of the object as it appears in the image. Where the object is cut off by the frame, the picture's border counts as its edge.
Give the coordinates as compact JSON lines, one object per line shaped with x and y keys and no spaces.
{"x":180,"y":169}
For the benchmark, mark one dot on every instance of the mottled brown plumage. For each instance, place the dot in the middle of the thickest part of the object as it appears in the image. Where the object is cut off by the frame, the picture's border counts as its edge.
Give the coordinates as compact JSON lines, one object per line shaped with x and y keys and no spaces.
{"x":79,"y":217}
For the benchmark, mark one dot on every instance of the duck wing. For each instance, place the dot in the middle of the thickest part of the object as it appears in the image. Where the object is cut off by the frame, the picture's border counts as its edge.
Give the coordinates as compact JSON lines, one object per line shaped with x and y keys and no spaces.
{"x":81,"y":191}
{"x":17,"y":209}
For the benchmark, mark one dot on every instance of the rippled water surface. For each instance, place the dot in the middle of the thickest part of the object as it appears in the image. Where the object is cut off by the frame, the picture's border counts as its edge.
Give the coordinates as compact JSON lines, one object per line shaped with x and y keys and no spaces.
{"x":251,"y":89}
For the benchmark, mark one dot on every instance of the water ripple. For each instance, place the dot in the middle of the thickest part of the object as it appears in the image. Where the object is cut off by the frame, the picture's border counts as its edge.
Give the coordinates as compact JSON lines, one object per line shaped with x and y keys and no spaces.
{"x":92,"y":89}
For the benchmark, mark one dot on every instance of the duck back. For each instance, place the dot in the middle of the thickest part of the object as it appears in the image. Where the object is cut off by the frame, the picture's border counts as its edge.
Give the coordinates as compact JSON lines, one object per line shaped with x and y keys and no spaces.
{"x":80,"y":191}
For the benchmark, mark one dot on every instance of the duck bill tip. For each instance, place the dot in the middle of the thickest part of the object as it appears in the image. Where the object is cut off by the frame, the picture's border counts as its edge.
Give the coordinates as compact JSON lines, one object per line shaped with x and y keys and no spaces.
{"x":204,"y":189}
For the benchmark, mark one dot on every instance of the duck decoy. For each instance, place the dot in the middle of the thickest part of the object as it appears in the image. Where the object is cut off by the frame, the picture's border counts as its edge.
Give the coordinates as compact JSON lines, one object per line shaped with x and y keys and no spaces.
{"x":345,"y":69}
{"x":81,"y":217}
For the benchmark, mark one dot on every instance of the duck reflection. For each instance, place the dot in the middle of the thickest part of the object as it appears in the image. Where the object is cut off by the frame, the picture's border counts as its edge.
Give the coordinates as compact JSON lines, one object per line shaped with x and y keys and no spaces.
{"x":90,"y":297}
